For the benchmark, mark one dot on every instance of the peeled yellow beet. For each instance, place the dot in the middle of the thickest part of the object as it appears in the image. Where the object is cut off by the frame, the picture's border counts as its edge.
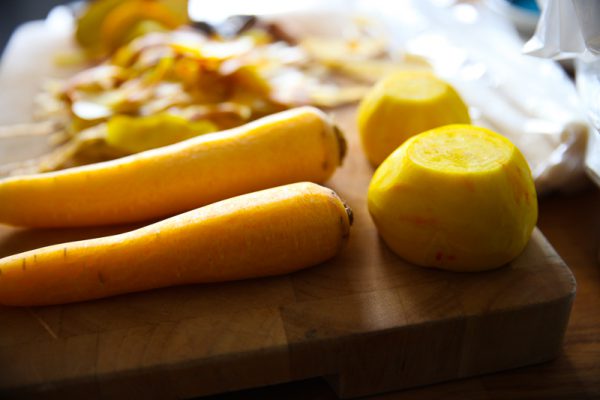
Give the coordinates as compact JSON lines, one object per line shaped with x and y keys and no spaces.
{"x":458,"y":197}
{"x":405,"y":104}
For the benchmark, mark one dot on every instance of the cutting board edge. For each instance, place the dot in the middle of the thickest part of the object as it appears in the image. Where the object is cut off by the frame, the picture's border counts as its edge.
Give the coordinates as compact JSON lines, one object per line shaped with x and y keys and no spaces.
{"x":349,"y":384}
{"x":117,"y":383}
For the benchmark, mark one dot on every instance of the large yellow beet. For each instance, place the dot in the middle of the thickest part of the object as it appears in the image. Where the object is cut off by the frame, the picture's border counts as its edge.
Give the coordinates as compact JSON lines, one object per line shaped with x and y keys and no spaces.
{"x":403,"y":105}
{"x":292,"y":146}
{"x":458,"y":197}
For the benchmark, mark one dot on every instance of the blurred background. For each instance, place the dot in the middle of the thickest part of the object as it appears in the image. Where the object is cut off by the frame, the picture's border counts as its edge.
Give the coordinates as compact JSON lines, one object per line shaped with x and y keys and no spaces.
{"x":486,"y":63}
{"x":16,"y":12}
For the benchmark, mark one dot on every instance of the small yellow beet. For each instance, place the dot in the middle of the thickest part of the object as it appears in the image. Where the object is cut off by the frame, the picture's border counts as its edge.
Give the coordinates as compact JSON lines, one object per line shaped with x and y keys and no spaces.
{"x":292,"y":146}
{"x":124,"y":19}
{"x":402,"y":105}
{"x":458,"y":197}
{"x":270,"y":232}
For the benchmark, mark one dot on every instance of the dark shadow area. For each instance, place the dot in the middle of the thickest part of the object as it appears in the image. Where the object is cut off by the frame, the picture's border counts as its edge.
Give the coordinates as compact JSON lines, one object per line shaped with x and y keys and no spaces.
{"x":15,"y":12}
{"x":315,"y":388}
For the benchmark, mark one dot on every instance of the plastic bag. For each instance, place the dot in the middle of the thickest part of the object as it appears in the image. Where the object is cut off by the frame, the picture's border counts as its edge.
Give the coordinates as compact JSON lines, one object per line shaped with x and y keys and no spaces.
{"x":570,"y":29}
{"x":529,"y":100}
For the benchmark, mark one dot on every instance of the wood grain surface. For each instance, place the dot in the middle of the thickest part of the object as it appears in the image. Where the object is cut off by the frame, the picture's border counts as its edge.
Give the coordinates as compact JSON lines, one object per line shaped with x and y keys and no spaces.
{"x":571,"y":222}
{"x":366,"y":321}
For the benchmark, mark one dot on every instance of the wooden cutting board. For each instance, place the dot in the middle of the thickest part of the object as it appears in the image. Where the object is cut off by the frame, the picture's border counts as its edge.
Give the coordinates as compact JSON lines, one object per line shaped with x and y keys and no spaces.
{"x":366,"y":321}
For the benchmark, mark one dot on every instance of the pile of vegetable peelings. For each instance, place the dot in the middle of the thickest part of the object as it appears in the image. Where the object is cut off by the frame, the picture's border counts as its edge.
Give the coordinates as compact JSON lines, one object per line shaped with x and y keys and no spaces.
{"x":153,"y":78}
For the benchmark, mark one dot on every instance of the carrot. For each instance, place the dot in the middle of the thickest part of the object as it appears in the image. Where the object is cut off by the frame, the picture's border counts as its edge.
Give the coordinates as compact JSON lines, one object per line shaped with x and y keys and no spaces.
{"x":292,"y":146}
{"x":270,"y":232}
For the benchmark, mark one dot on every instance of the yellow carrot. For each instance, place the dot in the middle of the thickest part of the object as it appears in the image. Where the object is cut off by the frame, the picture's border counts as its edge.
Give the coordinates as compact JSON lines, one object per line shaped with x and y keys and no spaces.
{"x":270,"y":232}
{"x":292,"y":146}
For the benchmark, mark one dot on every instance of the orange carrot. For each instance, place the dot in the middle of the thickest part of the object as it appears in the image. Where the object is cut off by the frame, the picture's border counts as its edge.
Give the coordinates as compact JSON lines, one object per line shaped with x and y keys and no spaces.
{"x":270,"y":232}
{"x":292,"y":146}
